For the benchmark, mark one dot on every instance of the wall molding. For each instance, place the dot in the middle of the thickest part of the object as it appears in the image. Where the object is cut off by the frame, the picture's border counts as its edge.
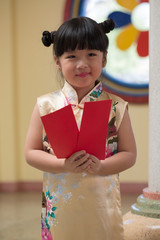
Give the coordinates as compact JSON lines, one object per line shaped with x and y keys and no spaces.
{"x":21,"y":187}
{"x":125,"y":187}
{"x":132,"y":188}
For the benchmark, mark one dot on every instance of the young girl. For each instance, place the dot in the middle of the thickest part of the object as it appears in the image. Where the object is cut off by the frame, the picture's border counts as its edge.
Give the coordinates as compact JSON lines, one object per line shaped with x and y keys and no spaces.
{"x":81,"y":197}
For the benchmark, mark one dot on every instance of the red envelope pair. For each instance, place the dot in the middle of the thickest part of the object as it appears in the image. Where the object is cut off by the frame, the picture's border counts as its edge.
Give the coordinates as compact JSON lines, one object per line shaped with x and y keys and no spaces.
{"x":64,"y":136}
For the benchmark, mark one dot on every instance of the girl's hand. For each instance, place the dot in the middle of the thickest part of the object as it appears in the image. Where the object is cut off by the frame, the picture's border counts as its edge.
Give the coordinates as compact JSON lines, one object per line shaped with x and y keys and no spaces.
{"x":47,"y":147}
{"x":78,"y":162}
{"x":94,"y":166}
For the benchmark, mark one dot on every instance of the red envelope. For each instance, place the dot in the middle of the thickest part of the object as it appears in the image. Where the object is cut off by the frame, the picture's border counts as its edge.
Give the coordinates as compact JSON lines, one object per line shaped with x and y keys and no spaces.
{"x":65,"y":138}
{"x":62,"y":131}
{"x":94,"y":126}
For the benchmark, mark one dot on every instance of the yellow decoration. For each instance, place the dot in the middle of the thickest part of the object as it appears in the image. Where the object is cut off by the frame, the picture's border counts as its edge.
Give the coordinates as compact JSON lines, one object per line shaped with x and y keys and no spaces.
{"x":127,"y":37}
{"x":129,"y":4}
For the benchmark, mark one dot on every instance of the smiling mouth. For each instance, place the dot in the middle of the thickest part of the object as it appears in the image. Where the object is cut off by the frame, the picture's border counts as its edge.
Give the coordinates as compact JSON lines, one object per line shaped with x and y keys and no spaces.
{"x":83,"y":75}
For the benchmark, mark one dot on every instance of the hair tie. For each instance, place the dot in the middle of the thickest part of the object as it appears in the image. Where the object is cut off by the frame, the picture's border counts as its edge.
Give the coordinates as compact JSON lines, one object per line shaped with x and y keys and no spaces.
{"x":108,"y":25}
{"x":48,"y":38}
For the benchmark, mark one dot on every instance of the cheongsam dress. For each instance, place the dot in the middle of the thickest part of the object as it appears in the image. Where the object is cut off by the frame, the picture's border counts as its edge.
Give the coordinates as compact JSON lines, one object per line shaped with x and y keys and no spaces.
{"x":80,"y":206}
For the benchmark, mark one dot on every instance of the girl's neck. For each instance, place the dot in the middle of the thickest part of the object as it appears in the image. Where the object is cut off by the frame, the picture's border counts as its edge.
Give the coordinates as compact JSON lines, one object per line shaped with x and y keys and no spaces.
{"x":82,"y":92}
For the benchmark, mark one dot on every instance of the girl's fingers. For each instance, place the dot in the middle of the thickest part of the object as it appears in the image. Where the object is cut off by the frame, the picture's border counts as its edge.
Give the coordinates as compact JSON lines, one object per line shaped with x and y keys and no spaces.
{"x":94,"y":159}
{"x":86,"y":165}
{"x":90,"y":171}
{"x":81,"y":161}
{"x":76,"y":156}
{"x":74,"y":162}
{"x":94,"y":165}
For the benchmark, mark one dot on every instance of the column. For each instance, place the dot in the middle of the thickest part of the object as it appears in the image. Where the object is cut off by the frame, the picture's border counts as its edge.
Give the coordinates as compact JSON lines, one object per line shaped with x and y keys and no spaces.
{"x":143,"y":221}
{"x":154,"y":98}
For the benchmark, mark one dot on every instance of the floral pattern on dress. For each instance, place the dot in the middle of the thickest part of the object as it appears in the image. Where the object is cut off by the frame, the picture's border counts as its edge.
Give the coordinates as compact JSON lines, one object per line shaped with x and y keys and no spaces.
{"x":96,"y":93}
{"x":112,"y":143}
{"x":45,"y":233}
{"x":47,"y":213}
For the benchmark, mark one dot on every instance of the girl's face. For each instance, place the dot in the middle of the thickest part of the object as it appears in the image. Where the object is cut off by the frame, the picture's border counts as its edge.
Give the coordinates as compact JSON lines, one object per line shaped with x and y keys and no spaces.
{"x":81,"y":68}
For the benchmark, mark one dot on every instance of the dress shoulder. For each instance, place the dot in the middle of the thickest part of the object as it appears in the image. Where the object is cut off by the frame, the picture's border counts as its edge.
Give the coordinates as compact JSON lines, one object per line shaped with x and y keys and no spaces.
{"x":49,"y":102}
{"x":118,"y":104}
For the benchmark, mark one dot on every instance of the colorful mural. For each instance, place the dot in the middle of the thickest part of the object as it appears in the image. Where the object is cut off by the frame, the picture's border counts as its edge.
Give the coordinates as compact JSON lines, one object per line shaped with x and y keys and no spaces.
{"x":127,"y":69}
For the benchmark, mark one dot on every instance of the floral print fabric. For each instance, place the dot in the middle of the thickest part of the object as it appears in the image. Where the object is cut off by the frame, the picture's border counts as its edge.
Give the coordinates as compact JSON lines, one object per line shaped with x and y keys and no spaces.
{"x":82,"y":205}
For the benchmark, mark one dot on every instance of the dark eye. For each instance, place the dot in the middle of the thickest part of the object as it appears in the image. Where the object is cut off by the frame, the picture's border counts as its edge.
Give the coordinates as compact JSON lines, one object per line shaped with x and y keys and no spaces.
{"x":91,"y":54}
{"x":71,"y":56}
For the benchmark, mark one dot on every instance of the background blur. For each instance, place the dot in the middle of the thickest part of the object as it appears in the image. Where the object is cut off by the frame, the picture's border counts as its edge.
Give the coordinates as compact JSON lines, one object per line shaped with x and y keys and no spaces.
{"x":28,"y":71}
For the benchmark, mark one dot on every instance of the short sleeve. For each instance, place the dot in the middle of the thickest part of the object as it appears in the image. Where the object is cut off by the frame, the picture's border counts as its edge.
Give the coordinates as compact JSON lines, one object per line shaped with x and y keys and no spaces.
{"x":120,"y":106}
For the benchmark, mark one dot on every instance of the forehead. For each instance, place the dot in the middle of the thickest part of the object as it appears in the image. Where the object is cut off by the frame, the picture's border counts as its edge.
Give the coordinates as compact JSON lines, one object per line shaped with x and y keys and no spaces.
{"x":86,"y":50}
{"x":83,"y":52}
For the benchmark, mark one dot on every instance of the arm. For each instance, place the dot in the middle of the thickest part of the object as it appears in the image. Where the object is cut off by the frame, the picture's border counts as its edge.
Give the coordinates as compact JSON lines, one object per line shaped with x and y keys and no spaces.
{"x":36,"y":157}
{"x":124,"y":158}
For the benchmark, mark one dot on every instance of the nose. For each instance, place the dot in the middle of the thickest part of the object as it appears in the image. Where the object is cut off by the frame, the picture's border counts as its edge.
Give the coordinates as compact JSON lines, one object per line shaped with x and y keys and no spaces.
{"x":82,"y":63}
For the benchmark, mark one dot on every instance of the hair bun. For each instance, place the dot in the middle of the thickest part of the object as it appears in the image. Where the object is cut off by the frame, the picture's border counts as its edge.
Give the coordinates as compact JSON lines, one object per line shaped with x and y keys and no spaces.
{"x":108,"y":25}
{"x":48,"y":38}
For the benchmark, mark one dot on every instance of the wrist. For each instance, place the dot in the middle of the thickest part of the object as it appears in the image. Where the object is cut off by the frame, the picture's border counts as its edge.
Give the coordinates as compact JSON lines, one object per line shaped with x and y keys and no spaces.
{"x":101,"y":169}
{"x":59,"y":166}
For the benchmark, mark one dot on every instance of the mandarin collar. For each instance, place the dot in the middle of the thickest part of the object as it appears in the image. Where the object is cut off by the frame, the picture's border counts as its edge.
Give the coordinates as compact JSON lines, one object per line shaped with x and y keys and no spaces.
{"x":72,"y":97}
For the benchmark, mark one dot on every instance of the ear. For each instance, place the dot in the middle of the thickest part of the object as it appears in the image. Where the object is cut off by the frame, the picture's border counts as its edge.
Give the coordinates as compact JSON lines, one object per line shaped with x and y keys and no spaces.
{"x":57,"y":63}
{"x":104,"y":62}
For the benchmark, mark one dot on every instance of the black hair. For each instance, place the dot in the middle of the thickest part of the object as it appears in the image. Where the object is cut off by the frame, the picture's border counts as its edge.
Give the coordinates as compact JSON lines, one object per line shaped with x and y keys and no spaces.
{"x":80,"y":33}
